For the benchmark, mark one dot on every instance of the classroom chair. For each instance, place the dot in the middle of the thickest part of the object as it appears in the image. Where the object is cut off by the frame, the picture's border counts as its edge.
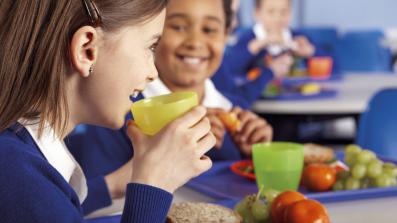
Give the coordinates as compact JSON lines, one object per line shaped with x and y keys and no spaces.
{"x":362,"y":51}
{"x":377,"y":129}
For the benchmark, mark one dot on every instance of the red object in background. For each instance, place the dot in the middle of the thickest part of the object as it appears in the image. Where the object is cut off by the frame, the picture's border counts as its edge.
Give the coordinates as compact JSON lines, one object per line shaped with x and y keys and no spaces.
{"x":320,"y":67}
{"x":239,"y":167}
{"x":254,"y":73}
{"x":318,"y":177}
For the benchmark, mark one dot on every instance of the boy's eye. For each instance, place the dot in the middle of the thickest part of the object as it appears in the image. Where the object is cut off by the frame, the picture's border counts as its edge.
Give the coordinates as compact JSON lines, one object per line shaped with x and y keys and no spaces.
{"x":178,"y":28}
{"x":210,"y":30}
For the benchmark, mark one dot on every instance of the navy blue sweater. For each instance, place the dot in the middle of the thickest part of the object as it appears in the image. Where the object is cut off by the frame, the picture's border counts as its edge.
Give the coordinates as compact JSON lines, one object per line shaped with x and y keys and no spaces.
{"x":31,"y":190}
{"x":240,"y":60}
{"x":231,"y":78}
{"x":100,"y":151}
{"x":238,"y":86}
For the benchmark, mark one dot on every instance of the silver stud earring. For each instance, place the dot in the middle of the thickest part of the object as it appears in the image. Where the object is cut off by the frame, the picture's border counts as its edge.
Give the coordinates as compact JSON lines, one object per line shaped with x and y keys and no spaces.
{"x":90,"y":70}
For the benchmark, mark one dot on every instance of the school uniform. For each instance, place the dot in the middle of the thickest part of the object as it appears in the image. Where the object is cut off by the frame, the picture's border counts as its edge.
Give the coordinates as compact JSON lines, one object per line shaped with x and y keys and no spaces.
{"x":238,"y":62}
{"x":239,"y":85}
{"x":101,"y":151}
{"x":40,"y":181}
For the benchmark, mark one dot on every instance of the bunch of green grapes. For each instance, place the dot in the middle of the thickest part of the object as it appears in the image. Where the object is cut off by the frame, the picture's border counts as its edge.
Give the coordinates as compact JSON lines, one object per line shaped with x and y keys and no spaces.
{"x":255,"y":208}
{"x":365,"y":171}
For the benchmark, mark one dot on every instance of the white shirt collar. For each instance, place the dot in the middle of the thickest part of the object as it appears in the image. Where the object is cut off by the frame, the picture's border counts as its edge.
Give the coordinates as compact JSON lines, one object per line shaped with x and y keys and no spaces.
{"x":212,"y":97}
{"x":57,"y":154}
{"x":261,"y":34}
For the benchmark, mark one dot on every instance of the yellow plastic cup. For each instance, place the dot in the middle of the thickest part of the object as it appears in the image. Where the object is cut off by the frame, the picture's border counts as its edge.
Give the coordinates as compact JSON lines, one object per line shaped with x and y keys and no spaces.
{"x":278,"y":165}
{"x":152,"y":114}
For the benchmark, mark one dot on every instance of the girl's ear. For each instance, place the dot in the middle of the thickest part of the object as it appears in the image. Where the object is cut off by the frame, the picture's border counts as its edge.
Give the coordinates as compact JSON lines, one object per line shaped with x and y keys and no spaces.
{"x":84,"y":50}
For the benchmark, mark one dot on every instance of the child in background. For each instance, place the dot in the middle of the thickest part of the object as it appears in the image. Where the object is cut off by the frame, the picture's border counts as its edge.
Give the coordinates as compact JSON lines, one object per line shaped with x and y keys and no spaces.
{"x":270,"y":43}
{"x":241,"y":87}
{"x":243,"y":72}
{"x":189,"y":53}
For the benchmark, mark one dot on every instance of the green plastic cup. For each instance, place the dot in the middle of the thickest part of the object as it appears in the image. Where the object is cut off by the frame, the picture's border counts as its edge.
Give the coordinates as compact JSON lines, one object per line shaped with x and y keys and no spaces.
{"x":278,"y":165}
{"x":152,"y":114}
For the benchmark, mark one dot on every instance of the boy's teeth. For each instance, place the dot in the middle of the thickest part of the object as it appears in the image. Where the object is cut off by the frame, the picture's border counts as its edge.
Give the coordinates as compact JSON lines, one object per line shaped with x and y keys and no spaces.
{"x":192,"y":60}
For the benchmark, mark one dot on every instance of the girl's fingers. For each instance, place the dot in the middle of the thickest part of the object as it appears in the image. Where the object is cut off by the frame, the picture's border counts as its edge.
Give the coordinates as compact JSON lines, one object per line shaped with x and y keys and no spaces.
{"x":204,"y":164}
{"x":133,"y":132}
{"x":205,"y":144}
{"x":200,"y":129}
{"x":191,"y":118}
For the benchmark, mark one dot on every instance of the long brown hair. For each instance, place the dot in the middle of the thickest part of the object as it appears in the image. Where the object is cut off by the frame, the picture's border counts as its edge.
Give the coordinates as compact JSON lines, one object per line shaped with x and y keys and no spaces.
{"x":34,"y":51}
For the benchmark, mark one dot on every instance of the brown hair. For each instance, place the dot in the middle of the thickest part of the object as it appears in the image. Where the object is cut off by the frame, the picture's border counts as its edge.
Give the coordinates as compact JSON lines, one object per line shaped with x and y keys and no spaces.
{"x":34,"y":51}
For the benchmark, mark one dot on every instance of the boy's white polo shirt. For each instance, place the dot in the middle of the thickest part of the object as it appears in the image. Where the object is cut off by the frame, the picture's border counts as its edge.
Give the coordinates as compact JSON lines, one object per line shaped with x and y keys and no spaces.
{"x":212,"y":97}
{"x":261,"y":34}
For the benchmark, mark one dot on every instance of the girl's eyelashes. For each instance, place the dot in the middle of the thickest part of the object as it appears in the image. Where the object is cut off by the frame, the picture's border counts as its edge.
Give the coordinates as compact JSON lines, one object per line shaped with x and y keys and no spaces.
{"x":153,"y":47}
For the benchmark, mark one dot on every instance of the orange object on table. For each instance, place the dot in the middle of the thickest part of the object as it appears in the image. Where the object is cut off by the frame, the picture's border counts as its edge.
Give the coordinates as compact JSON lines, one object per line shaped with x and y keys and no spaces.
{"x":281,"y":202}
{"x":320,"y":67}
{"x":308,"y":211}
{"x":318,"y":177}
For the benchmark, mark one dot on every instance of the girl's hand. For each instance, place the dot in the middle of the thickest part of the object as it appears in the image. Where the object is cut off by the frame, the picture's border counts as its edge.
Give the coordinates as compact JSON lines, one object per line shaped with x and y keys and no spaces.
{"x":176,"y":154}
{"x":253,"y":130}
{"x":217,"y":127}
{"x":303,"y":47}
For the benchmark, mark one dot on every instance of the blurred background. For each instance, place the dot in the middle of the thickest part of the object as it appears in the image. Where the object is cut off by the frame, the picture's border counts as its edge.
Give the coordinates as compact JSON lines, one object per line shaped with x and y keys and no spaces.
{"x":341,"y":15}
{"x":361,"y":37}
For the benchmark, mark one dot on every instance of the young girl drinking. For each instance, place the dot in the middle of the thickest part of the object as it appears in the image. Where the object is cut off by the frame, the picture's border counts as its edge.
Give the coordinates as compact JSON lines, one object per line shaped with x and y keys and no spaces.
{"x":67,"y":62}
{"x":189,"y":53}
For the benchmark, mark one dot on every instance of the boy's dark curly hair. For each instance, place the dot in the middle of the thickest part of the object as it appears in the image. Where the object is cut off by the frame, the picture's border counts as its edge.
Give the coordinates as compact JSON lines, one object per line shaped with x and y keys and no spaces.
{"x":227,"y":8}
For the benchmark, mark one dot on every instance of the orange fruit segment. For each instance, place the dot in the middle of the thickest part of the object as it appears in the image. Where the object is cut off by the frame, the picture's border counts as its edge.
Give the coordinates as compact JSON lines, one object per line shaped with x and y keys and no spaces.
{"x":231,"y":121}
